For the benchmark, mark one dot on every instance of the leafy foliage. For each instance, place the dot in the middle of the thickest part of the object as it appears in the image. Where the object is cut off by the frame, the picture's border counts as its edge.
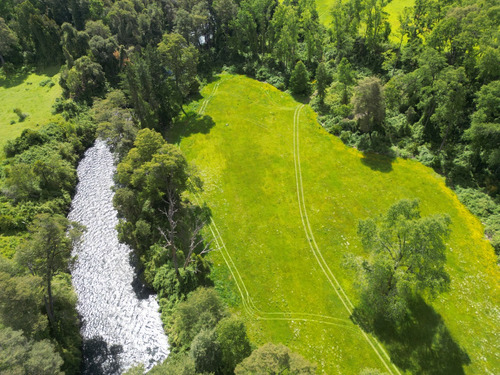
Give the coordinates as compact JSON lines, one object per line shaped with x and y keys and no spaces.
{"x":274,"y":359}
{"x":407,"y":256}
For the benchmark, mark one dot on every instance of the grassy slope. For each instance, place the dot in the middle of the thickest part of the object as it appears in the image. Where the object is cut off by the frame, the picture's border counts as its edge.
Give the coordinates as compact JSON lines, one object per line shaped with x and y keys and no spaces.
{"x":394,"y":9}
{"x":26,"y":93}
{"x":247,"y":163}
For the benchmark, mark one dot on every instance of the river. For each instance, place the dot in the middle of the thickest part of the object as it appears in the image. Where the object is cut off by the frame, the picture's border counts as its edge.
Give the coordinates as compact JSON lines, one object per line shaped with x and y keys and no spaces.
{"x":121,"y":325}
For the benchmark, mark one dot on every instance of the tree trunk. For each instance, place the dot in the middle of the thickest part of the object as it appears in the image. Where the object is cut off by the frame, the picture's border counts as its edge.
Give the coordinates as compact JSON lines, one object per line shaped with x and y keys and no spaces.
{"x":49,"y":303}
{"x":2,"y":60}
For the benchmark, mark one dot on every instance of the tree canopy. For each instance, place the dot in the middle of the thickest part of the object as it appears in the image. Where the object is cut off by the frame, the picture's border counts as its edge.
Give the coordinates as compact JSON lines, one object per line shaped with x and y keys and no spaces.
{"x":406,"y":257}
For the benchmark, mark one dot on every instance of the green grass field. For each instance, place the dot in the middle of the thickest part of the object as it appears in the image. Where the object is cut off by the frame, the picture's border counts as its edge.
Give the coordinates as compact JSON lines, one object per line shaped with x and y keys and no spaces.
{"x":394,"y":9}
{"x":25,"y":92}
{"x":286,"y":197}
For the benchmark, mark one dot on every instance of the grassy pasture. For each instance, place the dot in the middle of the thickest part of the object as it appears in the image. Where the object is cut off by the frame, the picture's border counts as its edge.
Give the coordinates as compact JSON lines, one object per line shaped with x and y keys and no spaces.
{"x":286,"y":197}
{"x":26,"y":93}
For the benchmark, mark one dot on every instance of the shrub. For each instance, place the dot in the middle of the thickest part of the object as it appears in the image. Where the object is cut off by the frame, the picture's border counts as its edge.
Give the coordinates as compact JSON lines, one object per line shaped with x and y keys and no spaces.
{"x":22,"y":116}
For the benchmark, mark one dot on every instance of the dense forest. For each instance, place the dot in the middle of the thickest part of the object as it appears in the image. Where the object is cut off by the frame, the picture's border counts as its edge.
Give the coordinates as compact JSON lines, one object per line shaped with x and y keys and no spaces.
{"x":429,"y":90}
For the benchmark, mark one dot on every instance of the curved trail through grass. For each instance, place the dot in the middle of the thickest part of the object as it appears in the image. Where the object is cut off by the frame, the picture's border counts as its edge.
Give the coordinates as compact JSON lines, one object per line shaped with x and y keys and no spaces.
{"x":248,"y":303}
{"x":262,"y":155}
{"x":312,"y":241}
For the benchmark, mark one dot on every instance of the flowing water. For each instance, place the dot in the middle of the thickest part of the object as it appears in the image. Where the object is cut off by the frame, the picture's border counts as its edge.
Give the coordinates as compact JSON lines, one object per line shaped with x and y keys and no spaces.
{"x":121,"y":324}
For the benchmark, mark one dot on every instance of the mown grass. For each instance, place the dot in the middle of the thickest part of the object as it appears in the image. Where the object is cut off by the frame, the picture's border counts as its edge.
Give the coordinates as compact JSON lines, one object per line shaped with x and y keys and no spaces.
{"x":394,"y":9}
{"x":24,"y":91}
{"x":266,"y":264}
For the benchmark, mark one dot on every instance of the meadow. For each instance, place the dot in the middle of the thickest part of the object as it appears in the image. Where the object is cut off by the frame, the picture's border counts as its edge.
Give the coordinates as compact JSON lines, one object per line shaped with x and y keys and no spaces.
{"x":34,"y":94}
{"x":285,"y":198}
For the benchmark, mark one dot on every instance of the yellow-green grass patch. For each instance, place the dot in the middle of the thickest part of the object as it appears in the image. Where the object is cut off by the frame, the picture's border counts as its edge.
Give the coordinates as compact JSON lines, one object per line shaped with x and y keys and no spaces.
{"x":394,"y":9}
{"x":26,"y":93}
{"x":267,"y":263}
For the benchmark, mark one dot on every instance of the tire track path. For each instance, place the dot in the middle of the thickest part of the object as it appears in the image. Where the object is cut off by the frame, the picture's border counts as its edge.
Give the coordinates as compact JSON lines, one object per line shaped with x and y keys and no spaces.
{"x":315,"y":248}
{"x":248,"y":303}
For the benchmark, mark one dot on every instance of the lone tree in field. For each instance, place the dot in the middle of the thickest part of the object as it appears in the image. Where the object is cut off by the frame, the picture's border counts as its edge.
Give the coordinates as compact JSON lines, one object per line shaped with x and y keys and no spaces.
{"x":299,"y":81}
{"x":406,"y":258}
{"x":368,"y":104}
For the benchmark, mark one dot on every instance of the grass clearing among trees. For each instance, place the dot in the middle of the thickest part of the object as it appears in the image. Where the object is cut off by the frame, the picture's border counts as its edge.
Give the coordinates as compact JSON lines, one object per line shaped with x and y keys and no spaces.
{"x":286,"y":198}
{"x":34,"y":94}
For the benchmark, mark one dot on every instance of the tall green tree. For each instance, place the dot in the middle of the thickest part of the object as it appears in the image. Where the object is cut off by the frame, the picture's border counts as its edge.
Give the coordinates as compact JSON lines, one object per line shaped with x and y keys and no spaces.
{"x":8,"y":40}
{"x":368,"y":104}
{"x":322,"y":80}
{"x":407,"y":255}
{"x":299,"y":81}
{"x":84,"y":80}
{"x":285,"y":24}
{"x":151,"y":90}
{"x":345,"y":77}
{"x":48,"y":252}
{"x":182,"y":60}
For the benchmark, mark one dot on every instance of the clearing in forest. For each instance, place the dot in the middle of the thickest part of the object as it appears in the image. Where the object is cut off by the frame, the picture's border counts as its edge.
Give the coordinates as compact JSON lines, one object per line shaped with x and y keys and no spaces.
{"x":33,"y":94}
{"x":394,"y":9}
{"x":286,"y":197}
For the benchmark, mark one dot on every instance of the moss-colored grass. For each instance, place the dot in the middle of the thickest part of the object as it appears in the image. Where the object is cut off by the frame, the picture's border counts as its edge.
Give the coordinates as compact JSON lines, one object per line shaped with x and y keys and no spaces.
{"x":244,"y":153}
{"x":394,"y":9}
{"x":25,"y":92}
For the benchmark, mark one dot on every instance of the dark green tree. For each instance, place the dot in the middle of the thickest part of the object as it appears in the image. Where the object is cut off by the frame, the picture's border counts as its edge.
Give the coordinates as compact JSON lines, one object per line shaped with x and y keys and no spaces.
{"x":233,"y":342}
{"x":8,"y":40}
{"x":346,"y":78}
{"x":322,"y":80}
{"x":206,"y":352}
{"x":48,"y":252}
{"x":203,"y":309}
{"x":84,"y":80}
{"x":182,"y":60}
{"x":299,"y":81}
{"x":368,"y":104}
{"x":151,"y":90}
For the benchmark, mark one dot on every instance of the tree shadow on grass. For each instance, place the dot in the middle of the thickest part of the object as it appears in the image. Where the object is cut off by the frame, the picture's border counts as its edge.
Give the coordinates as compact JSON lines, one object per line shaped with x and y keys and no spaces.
{"x":191,"y":123}
{"x":13,"y":79}
{"x":421,"y":344}
{"x":377,"y":162}
{"x":99,"y":358}
{"x":304,"y":99}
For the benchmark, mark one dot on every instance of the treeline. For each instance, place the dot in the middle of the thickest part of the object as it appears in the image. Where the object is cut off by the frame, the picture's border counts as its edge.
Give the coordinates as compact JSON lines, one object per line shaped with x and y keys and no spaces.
{"x":39,"y":326}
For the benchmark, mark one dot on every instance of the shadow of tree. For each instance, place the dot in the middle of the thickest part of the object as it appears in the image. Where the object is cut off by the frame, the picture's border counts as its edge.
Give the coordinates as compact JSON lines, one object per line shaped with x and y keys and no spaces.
{"x":99,"y":358}
{"x":377,"y":162}
{"x":141,"y":290}
{"x":191,"y":123}
{"x":304,"y":99}
{"x":421,"y":344}
{"x":18,"y":77}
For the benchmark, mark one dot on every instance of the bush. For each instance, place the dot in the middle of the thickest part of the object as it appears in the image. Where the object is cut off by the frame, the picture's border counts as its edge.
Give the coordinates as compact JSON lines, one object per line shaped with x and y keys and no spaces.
{"x":203,"y":309}
{"x":22,"y":116}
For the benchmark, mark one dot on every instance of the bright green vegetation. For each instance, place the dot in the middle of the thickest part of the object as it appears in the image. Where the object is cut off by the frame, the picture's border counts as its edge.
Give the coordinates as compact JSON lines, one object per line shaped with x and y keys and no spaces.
{"x":34,"y":95}
{"x":286,"y":198}
{"x":394,"y":9}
